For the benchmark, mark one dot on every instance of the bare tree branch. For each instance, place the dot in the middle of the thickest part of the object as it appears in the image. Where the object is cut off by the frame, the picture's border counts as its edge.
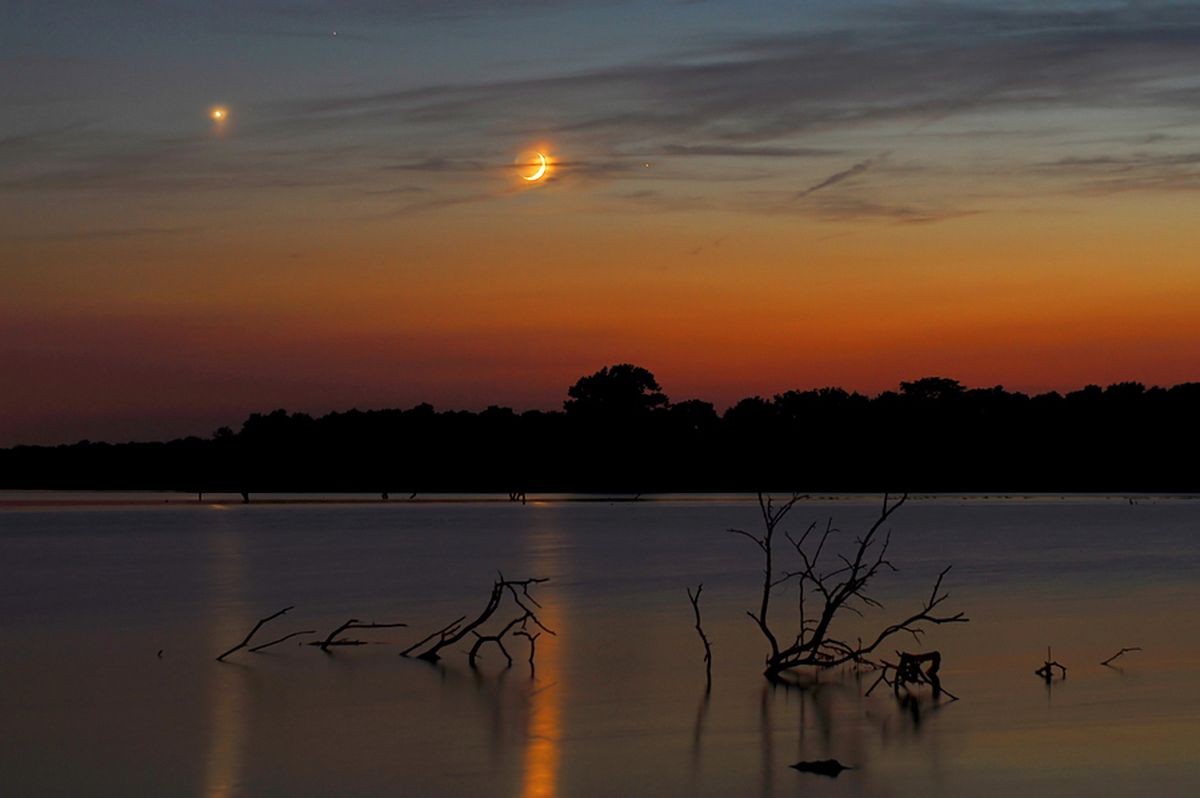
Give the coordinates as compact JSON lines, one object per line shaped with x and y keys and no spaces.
{"x":281,"y":639}
{"x":842,"y":586}
{"x":1107,"y":662}
{"x":257,"y":626}
{"x":497,"y":638}
{"x":445,"y":631}
{"x":332,"y":638}
{"x":517,"y":590}
{"x":532,"y":647}
{"x":695,"y":599}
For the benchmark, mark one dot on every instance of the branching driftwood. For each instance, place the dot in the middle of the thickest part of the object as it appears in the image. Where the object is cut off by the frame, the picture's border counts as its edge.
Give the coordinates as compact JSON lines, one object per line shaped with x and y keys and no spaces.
{"x":532,"y":638}
{"x":332,"y":638}
{"x":497,"y":638}
{"x":695,"y":599}
{"x":429,"y":648}
{"x":257,"y":626}
{"x":836,"y":585}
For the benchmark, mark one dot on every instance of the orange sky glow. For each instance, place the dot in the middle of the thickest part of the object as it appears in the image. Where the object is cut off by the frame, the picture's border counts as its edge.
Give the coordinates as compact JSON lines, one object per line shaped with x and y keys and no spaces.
{"x":366,"y":238}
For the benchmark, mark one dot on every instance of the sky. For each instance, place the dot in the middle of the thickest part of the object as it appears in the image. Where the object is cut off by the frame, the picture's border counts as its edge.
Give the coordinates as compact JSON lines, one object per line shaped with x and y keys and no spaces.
{"x":743,"y":197}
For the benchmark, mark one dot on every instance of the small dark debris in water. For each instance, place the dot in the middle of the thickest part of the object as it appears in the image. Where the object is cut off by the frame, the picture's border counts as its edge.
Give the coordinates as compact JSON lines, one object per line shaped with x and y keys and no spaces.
{"x":822,"y":767}
{"x":1047,"y":669}
{"x":160,"y":651}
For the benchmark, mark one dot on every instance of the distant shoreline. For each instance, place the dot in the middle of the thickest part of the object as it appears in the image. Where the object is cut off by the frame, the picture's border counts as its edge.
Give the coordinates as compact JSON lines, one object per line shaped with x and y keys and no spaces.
{"x":618,"y":435}
{"x":52,"y":499}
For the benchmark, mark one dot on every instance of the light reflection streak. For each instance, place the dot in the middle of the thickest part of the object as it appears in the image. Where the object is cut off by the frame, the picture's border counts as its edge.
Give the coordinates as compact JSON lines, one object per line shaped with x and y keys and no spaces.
{"x":228,"y":685}
{"x":544,"y":729}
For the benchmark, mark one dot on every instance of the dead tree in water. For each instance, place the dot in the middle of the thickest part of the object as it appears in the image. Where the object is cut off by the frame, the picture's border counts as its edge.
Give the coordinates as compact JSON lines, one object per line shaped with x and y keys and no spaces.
{"x":453,"y":632}
{"x":837,"y":583}
{"x":695,"y":599}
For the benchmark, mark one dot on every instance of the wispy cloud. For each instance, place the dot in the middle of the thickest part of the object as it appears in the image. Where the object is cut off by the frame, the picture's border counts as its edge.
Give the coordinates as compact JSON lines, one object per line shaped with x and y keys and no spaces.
{"x":839,"y":177}
{"x":734,"y":151}
{"x":935,"y":60}
{"x":854,"y":209}
{"x":1138,"y":171}
{"x":768,"y":102}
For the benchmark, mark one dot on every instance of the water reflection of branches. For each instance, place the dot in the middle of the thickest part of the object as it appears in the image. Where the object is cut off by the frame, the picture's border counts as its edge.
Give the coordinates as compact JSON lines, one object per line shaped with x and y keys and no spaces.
{"x":698,"y":733}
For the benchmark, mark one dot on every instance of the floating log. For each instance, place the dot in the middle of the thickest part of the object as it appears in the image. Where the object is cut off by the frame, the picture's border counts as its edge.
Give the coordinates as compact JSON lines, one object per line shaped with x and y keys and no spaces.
{"x":822,"y":767}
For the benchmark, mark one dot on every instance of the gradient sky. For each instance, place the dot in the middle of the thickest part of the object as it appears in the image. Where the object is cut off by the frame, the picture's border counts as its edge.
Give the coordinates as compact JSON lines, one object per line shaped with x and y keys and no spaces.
{"x":748,"y":197}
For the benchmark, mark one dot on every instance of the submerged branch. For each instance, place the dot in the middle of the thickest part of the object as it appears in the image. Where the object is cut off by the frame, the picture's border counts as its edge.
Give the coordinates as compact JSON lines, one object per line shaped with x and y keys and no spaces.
{"x":281,"y":639}
{"x":257,"y":626}
{"x":1107,"y":662}
{"x":517,"y":589}
{"x":694,"y":598}
{"x":448,"y":629}
{"x":353,"y":623}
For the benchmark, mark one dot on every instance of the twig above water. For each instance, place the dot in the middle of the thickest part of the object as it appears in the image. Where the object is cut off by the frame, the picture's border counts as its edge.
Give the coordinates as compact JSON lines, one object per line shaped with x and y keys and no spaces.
{"x":257,"y":626}
{"x":1107,"y":662}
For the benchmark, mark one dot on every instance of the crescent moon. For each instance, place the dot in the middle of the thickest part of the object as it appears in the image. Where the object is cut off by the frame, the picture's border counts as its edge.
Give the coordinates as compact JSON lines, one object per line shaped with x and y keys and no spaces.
{"x":541,"y":170}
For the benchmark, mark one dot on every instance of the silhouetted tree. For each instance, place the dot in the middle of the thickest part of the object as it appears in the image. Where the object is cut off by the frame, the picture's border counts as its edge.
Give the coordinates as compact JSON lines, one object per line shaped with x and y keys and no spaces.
{"x":619,"y":433}
{"x":693,"y":415}
{"x":615,"y":392}
{"x":931,"y":388}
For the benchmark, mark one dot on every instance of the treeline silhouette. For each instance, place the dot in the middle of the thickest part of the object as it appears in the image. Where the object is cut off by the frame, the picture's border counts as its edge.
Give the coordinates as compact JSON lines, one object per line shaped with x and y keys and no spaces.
{"x":619,"y":433}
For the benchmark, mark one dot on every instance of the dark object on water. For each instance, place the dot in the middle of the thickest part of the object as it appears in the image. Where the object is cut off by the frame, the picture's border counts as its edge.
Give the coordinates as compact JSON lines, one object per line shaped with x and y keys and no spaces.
{"x":908,"y":671}
{"x":822,"y":767}
{"x":160,"y":651}
{"x":1047,"y":669}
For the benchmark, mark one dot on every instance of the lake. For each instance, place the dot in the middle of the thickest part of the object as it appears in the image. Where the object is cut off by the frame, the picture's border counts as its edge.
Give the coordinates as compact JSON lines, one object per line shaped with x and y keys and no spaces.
{"x":112,"y":615}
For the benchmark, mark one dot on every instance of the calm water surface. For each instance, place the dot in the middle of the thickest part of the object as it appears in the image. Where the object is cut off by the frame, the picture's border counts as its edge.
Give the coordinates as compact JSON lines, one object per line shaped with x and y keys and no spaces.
{"x":89,"y":596}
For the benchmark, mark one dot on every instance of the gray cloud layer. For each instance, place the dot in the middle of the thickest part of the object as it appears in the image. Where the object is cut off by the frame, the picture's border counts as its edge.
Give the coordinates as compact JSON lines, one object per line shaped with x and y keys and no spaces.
{"x":755,"y":99}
